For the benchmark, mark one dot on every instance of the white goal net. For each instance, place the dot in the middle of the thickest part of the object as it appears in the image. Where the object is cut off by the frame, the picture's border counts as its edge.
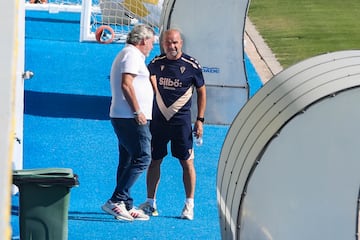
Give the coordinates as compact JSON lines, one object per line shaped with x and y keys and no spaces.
{"x":120,"y":15}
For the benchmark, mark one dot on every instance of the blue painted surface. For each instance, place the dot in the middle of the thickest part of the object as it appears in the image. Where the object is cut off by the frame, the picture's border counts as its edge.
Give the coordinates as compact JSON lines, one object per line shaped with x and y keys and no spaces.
{"x":66,"y":125}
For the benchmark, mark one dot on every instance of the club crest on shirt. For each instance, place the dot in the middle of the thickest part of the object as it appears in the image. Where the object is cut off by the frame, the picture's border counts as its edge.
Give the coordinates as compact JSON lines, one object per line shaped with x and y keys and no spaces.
{"x":162,"y":67}
{"x":182,"y":69}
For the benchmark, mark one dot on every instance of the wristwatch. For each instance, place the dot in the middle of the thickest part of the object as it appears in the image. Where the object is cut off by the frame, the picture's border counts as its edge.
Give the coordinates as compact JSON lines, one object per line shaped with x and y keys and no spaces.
{"x":137,"y":113}
{"x":201,"y":119}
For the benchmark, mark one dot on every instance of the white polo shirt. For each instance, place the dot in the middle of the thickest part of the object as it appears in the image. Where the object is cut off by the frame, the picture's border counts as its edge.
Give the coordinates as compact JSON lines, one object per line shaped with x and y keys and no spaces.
{"x":130,"y":60}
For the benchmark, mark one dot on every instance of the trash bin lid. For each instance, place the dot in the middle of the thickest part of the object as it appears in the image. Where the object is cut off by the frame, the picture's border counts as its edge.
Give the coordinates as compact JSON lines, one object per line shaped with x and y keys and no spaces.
{"x":51,"y":176}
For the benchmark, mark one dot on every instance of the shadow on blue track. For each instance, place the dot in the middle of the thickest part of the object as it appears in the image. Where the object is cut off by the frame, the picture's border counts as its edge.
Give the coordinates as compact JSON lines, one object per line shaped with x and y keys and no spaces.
{"x":60,"y":105}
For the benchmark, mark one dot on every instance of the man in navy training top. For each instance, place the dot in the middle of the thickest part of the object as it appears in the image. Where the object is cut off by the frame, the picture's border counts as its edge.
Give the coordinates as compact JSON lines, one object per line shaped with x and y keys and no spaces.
{"x":174,"y":76}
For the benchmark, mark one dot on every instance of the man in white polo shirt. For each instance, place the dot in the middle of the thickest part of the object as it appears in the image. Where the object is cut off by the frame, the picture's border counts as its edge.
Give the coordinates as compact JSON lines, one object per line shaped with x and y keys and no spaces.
{"x":130,"y":113}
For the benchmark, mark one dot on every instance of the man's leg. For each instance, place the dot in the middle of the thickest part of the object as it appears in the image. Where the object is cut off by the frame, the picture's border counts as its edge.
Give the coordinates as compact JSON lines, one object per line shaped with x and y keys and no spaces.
{"x":159,"y":151}
{"x":153,"y":178}
{"x":152,"y":183}
{"x":189,"y":177}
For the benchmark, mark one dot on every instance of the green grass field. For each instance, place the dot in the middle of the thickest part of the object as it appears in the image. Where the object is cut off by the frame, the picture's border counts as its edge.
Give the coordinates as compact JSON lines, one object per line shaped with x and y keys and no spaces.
{"x":299,"y":29}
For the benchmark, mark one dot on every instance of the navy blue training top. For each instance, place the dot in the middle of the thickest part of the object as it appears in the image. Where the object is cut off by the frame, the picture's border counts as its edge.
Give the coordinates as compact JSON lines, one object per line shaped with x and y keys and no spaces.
{"x":175,"y":80}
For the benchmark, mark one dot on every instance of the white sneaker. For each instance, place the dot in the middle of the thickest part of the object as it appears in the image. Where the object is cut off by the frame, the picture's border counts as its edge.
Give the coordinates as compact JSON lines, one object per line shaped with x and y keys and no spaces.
{"x":138,"y":214}
{"x":188,"y":212}
{"x":118,"y":210}
{"x":148,"y":209}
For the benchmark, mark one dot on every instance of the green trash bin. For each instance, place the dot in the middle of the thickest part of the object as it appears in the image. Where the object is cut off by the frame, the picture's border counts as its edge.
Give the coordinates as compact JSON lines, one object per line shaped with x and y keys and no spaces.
{"x":44,"y":202}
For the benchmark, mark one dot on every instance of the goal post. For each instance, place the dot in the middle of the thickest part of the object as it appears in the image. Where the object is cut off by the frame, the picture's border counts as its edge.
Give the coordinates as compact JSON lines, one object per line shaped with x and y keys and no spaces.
{"x":120,"y":15}
{"x":87,"y":9}
{"x":106,"y":12}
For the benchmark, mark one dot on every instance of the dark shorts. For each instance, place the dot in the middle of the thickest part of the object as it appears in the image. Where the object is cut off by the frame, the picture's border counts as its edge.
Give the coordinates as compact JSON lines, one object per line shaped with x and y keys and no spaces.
{"x":180,"y":137}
